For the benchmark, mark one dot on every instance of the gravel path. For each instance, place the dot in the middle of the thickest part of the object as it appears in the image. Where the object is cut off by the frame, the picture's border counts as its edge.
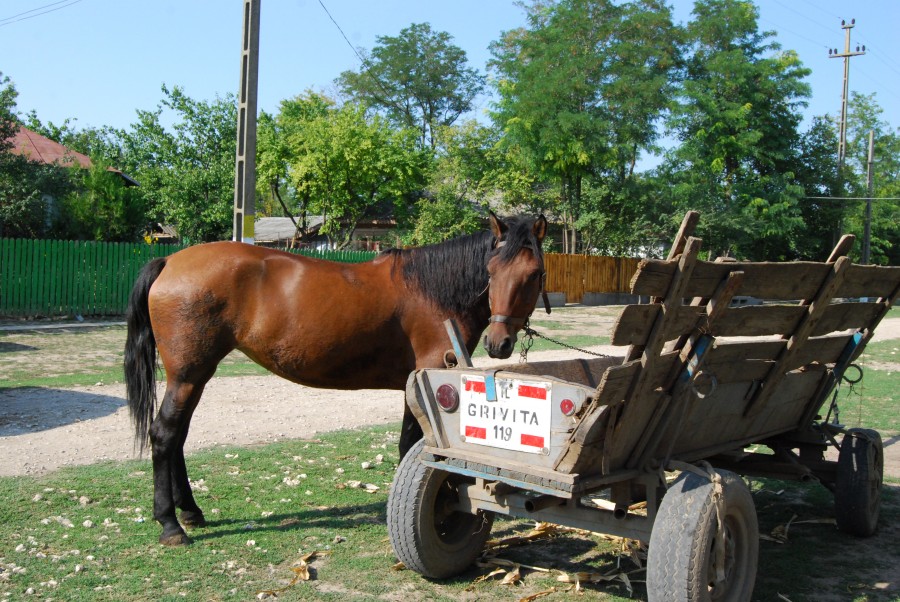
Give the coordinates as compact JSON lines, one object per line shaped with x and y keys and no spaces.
{"x":45,"y":429}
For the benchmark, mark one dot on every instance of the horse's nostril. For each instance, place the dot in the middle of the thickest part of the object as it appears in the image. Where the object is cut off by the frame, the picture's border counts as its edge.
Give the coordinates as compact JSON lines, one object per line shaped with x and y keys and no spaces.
{"x":506,"y":345}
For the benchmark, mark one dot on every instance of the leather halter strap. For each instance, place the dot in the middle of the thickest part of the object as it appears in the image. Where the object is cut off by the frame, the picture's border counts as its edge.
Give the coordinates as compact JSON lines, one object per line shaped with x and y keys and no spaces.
{"x":511,"y":320}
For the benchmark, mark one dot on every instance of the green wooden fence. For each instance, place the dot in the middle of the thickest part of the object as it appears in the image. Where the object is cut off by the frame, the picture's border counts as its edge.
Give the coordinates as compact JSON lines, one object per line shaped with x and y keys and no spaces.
{"x":59,"y":278}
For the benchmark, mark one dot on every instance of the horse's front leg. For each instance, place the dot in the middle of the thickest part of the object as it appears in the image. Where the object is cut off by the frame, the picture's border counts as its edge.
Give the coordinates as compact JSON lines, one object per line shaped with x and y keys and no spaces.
{"x":169,"y":471}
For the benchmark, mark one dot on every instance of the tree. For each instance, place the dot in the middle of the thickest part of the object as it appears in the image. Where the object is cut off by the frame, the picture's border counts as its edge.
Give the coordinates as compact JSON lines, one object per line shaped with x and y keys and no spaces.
{"x":738,"y":129}
{"x":863,"y":116}
{"x":458,"y":184}
{"x":350,"y":165}
{"x":24,"y":184}
{"x":280,"y":140}
{"x":581,"y":89}
{"x":186,"y":174}
{"x":419,"y":79}
{"x":102,"y":207}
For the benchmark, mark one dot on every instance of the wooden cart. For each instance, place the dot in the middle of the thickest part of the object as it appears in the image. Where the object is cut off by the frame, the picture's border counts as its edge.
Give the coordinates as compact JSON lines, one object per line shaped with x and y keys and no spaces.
{"x":704,"y":376}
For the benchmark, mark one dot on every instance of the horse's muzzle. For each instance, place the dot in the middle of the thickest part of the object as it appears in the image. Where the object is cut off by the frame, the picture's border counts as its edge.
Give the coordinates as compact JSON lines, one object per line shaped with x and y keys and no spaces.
{"x":499,"y":348}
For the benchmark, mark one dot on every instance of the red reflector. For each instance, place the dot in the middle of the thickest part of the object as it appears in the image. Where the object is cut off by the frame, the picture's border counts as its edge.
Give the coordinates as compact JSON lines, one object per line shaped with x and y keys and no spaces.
{"x":475,"y":385}
{"x":533,"y":441}
{"x":567,"y":407}
{"x":476,"y":431}
{"x":447,"y":397}
{"x":533,"y":392}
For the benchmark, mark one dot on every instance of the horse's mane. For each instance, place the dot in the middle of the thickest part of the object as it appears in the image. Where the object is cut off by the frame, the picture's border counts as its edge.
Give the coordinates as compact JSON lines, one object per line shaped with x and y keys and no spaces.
{"x":454,"y":273}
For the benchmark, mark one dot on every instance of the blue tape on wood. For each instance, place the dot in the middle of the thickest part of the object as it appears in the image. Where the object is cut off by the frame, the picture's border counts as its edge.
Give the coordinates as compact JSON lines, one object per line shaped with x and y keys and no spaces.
{"x":490,"y":387}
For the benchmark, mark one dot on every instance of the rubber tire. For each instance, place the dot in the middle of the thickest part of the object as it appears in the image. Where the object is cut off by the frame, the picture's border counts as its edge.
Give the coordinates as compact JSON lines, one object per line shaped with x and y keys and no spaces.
{"x":682,"y":539}
{"x":857,"y":490}
{"x":433,"y":547}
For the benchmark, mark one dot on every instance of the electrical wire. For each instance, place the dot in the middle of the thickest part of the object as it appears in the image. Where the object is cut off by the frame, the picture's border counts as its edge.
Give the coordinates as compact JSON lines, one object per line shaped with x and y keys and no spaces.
{"x":22,"y":17}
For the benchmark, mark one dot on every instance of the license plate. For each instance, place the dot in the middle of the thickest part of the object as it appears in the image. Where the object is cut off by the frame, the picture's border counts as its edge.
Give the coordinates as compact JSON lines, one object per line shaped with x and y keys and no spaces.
{"x":519,"y":418}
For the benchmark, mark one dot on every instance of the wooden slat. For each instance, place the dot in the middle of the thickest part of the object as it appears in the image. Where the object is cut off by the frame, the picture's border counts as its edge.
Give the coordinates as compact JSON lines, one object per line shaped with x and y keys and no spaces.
{"x":635,"y":321}
{"x":794,"y":280}
{"x":869,"y":281}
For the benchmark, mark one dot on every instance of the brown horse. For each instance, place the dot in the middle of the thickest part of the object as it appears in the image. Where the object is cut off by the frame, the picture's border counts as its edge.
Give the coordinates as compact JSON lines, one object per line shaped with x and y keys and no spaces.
{"x":314,"y":322}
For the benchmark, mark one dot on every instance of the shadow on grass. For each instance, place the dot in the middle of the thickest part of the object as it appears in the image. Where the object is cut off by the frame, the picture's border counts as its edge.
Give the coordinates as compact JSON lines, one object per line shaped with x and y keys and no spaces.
{"x":335,"y":517}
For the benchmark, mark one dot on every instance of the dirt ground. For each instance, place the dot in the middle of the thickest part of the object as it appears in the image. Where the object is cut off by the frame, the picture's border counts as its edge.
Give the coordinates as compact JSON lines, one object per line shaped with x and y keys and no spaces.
{"x":45,"y":429}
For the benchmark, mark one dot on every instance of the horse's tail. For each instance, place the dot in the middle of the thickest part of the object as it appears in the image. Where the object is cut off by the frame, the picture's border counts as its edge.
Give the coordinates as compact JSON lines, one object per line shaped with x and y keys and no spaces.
{"x":140,"y":354}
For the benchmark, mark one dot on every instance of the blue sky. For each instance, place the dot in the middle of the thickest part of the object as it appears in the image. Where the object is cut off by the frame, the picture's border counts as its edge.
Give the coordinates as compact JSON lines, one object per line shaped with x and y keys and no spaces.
{"x":97,"y":61}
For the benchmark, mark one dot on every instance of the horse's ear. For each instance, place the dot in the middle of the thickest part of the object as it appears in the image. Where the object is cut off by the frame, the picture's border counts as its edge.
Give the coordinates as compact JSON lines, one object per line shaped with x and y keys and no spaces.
{"x":497,"y":226}
{"x":540,"y":228}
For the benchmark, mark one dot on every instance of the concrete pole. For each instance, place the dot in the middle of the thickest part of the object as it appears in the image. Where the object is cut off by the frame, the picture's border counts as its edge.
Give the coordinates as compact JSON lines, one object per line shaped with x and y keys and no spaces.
{"x":245,"y":160}
{"x":842,"y":144}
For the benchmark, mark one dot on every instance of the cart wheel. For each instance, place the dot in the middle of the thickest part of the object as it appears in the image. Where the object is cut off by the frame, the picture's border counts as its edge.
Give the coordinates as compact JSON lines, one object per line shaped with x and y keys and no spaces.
{"x":681,"y":560}
{"x":857,"y":491}
{"x":426,"y":534}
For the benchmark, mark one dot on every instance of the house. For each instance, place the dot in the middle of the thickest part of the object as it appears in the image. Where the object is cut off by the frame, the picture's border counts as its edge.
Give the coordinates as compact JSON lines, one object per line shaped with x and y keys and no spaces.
{"x":40,"y":148}
{"x":280,"y":232}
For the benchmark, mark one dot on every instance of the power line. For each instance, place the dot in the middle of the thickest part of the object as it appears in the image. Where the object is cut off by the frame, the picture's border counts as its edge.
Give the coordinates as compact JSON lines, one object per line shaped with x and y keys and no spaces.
{"x":797,"y":12}
{"x":853,"y":198}
{"x":21,"y":17}
{"x":361,"y":59}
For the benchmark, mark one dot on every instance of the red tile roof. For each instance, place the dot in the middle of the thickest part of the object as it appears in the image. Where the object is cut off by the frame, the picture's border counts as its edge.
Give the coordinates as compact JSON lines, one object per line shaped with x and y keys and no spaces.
{"x":38,"y":148}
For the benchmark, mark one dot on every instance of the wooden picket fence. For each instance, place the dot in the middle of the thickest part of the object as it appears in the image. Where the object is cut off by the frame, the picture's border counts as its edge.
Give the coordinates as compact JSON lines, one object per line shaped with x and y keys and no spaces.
{"x":576,"y":275}
{"x":59,"y":278}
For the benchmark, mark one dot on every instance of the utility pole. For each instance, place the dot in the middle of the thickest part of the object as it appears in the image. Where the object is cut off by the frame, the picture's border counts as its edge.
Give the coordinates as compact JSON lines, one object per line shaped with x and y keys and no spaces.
{"x":245,"y":160}
{"x":870,"y":187}
{"x":833,"y":54}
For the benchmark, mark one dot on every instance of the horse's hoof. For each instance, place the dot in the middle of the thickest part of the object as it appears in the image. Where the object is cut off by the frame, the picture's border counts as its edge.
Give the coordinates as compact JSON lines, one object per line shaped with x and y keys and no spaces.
{"x":176,"y":539}
{"x":192,"y":520}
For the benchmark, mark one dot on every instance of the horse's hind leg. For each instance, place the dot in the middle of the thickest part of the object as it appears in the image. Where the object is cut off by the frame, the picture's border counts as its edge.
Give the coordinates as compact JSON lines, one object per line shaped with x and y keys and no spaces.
{"x":170,"y":482}
{"x":191,"y":515}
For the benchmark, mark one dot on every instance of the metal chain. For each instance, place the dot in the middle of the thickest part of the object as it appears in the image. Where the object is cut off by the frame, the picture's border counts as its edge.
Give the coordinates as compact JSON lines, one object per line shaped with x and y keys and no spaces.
{"x":834,"y":407}
{"x":528,"y":341}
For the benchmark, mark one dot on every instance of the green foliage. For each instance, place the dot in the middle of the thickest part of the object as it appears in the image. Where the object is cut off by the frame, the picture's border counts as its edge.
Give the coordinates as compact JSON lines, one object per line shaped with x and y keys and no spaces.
{"x":864,"y":115}
{"x":348,"y":165}
{"x":280,"y":139}
{"x":419,"y":79}
{"x":8,"y":121}
{"x":581,"y":89}
{"x":458,"y":185}
{"x":738,"y":126}
{"x":102,"y":208}
{"x":186,"y":171}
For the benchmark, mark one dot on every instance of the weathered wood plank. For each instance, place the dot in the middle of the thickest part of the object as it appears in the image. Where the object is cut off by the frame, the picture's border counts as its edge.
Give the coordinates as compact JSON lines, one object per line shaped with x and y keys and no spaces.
{"x":824,"y":350}
{"x":765,"y":280}
{"x":869,"y":281}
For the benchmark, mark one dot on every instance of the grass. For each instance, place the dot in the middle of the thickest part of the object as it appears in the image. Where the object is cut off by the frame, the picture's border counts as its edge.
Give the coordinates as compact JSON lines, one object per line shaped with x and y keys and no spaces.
{"x":86,"y":534}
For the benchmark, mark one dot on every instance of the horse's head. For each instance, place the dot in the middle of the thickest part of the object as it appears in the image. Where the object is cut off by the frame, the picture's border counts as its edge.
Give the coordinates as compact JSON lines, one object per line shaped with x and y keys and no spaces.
{"x":516,"y":270}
